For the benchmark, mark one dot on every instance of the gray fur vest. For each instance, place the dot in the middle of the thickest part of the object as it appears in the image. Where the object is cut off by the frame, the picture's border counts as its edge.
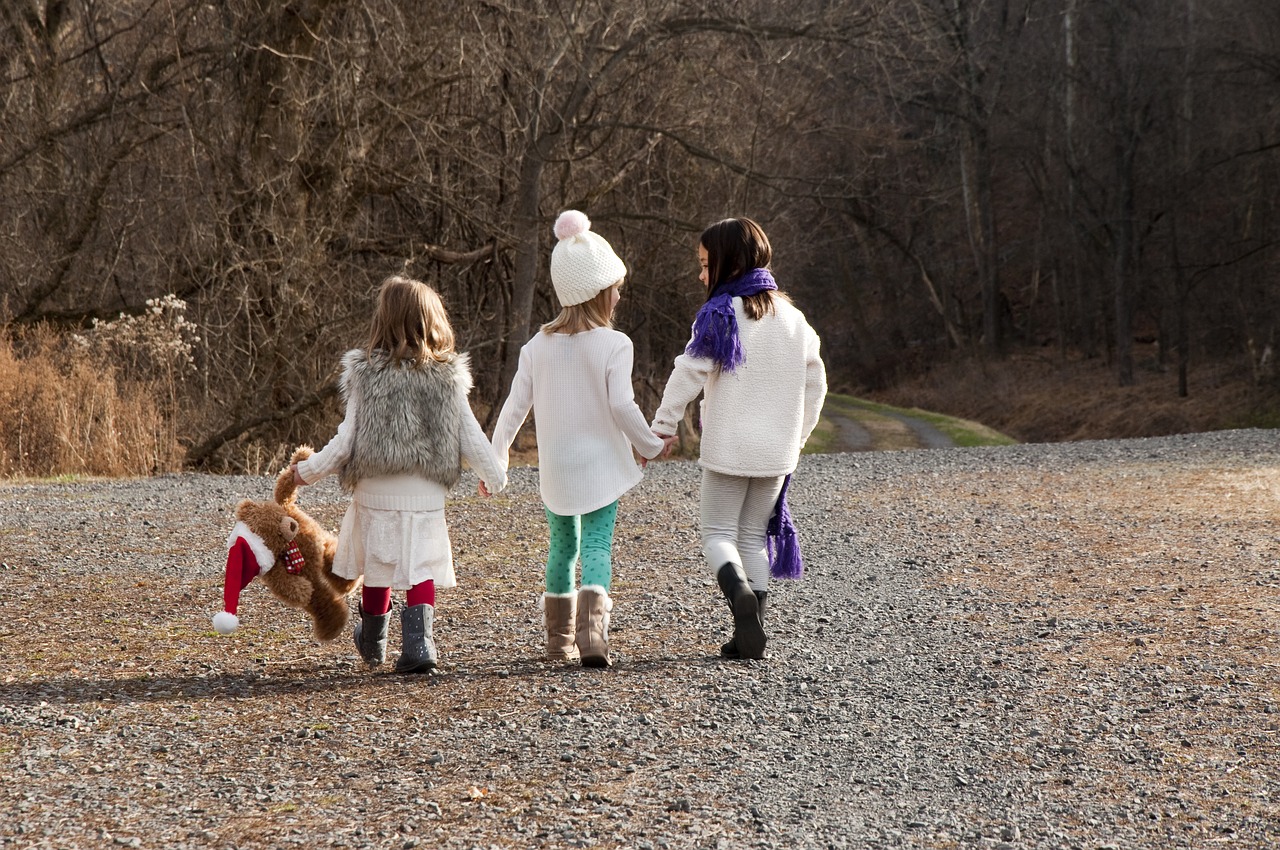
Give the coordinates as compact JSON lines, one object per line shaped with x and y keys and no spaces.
{"x":408,"y":418}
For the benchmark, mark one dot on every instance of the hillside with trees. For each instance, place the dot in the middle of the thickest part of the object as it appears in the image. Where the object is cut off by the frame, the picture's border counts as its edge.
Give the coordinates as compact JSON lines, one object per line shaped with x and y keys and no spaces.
{"x":197,"y":199}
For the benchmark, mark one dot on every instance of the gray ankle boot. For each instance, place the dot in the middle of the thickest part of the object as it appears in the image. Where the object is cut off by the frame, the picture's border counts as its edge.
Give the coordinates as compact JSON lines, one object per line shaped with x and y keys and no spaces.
{"x":371,"y":637}
{"x":417,"y":642}
{"x":748,"y":633}
{"x":730,"y":648}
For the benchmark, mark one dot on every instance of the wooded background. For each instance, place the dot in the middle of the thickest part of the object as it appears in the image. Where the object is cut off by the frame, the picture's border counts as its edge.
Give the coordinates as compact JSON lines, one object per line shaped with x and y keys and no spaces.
{"x":939,"y":178}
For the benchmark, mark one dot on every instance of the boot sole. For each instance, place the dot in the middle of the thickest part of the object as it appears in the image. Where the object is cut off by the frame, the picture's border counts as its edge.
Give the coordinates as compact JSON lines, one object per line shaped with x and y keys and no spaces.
{"x":595,"y":661}
{"x":424,"y":667}
{"x":561,"y":658}
{"x":747,"y":630}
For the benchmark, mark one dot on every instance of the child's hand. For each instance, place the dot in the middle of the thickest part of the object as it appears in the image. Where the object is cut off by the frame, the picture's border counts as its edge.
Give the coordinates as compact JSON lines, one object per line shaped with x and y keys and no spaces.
{"x":483,"y":490}
{"x":297,"y":476}
{"x":667,"y":443}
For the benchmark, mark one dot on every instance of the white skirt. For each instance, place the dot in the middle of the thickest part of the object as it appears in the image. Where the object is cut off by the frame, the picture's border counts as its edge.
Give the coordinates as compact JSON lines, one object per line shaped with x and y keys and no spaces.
{"x":394,"y":548}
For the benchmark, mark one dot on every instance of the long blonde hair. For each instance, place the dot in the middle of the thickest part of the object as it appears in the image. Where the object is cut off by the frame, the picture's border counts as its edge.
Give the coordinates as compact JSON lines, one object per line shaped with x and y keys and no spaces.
{"x":410,"y":322}
{"x":576,"y":318}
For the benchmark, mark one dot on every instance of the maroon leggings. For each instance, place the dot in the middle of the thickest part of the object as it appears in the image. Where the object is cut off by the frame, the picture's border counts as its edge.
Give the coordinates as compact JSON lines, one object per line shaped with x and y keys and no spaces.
{"x":377,"y":600}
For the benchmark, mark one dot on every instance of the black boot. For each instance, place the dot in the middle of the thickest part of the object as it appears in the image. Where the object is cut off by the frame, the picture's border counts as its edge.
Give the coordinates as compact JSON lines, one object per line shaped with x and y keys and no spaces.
{"x":729,"y":649}
{"x":418,"y":642}
{"x":371,"y":637}
{"x":748,"y":633}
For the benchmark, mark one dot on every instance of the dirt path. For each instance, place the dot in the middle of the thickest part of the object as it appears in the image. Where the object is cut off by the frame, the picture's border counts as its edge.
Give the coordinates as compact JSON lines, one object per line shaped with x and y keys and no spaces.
{"x":913,"y":433}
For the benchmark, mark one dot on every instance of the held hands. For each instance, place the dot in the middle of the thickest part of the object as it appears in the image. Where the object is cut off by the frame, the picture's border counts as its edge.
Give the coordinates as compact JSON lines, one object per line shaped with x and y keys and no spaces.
{"x":667,"y":443}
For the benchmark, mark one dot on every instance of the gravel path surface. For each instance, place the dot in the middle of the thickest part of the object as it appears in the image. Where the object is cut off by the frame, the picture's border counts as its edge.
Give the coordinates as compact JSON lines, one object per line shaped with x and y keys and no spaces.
{"x":1066,"y":646}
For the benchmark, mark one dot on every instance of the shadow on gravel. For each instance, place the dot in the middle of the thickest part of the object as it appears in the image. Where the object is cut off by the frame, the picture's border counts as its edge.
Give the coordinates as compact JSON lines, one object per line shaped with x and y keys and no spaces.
{"x":326,"y":678}
{"x":302,"y":680}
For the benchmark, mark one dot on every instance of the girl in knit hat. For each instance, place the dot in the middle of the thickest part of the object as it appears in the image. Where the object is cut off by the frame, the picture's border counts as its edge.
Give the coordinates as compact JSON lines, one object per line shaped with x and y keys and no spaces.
{"x":399,"y":451}
{"x":755,"y":359}
{"x":576,"y":376}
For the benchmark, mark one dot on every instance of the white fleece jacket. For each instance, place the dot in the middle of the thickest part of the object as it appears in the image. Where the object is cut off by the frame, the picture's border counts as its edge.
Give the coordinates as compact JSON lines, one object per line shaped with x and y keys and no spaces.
{"x":755,"y":419}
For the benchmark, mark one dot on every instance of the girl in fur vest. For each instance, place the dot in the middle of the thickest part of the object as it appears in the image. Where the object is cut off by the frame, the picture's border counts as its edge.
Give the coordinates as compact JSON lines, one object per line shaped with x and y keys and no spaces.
{"x":576,"y":375}
{"x":399,"y":451}
{"x":755,"y":359}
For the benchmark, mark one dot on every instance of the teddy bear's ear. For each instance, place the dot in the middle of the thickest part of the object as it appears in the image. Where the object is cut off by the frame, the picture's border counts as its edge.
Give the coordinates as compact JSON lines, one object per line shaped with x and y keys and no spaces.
{"x":243,"y":506}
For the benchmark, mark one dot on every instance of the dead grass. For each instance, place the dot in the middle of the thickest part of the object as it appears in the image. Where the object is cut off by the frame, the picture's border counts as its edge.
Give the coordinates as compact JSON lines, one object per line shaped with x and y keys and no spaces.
{"x":1040,"y":401}
{"x":62,"y":414}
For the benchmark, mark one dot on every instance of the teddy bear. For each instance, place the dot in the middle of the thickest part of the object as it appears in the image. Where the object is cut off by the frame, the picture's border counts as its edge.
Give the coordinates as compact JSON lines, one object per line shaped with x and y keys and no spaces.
{"x":287,"y":549}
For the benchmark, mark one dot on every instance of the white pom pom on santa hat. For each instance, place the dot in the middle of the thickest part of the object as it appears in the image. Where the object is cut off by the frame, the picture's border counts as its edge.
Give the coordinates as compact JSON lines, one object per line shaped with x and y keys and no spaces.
{"x":224,"y":622}
{"x":247,"y":558}
{"x":571,"y":223}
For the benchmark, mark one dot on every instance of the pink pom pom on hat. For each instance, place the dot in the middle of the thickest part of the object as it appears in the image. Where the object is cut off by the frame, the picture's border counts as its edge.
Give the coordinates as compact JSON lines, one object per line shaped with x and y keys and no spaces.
{"x":582,"y":262}
{"x":571,"y":223}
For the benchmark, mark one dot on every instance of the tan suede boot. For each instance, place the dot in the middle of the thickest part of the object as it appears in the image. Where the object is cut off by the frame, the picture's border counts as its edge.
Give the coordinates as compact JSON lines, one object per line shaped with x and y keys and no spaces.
{"x":558,"y":614}
{"x":594,"y":606}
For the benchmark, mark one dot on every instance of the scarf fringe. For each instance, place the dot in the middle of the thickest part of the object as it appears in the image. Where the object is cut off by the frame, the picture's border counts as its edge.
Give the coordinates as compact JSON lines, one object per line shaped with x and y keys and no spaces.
{"x":782,"y":542}
{"x":715,"y":330}
{"x":715,"y":336}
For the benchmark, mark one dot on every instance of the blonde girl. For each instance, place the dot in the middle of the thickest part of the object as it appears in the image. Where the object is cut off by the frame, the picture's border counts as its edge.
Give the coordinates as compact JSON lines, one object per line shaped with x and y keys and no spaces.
{"x":399,"y":451}
{"x":575,"y":374}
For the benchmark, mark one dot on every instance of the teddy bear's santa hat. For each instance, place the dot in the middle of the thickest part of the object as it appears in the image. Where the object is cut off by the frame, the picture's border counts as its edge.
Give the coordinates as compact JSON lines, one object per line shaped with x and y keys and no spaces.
{"x":247,"y":556}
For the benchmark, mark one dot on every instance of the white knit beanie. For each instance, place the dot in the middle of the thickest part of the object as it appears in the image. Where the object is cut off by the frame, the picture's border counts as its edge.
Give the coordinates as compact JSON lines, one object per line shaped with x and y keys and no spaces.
{"x":582,"y":263}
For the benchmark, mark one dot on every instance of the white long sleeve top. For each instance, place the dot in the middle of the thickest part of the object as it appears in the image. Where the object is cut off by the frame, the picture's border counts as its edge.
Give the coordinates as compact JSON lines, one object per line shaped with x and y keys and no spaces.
{"x":407,"y":492}
{"x":755,"y":419}
{"x":587,"y":419}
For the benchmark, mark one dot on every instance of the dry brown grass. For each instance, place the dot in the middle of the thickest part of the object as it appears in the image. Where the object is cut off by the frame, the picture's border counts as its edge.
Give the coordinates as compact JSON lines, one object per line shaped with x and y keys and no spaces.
{"x":1034,"y":399}
{"x":64,"y":414}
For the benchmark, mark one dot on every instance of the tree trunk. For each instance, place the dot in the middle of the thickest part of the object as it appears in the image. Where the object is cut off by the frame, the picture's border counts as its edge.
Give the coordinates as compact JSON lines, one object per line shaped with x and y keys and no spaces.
{"x":1122,"y":264}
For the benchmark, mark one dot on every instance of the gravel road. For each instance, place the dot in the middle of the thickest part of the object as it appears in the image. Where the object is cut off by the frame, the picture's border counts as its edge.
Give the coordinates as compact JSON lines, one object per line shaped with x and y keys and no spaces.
{"x":1038,"y":646}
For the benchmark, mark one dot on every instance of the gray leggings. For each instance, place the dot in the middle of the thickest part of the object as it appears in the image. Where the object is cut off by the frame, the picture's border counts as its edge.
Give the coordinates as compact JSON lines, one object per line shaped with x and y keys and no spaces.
{"x":735,"y":515}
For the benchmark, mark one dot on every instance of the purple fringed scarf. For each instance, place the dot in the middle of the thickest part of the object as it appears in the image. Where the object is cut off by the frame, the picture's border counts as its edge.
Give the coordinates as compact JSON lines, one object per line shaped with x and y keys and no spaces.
{"x":715,"y":330}
{"x":781,"y":540}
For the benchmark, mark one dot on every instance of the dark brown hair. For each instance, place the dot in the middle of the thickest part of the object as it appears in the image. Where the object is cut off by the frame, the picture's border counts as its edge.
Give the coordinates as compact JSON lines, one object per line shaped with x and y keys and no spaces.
{"x":734,"y":247}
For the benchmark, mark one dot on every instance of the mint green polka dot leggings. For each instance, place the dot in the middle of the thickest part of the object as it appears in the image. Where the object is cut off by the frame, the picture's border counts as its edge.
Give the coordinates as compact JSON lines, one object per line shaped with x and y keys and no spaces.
{"x":592,"y":535}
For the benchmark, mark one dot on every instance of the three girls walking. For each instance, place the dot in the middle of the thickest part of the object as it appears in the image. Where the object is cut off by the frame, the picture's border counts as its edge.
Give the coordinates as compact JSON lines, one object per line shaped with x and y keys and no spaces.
{"x":408,"y":426}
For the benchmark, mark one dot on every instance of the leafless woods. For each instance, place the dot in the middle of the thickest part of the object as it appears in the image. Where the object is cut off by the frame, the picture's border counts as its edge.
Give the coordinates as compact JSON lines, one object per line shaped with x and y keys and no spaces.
{"x":938,"y":176}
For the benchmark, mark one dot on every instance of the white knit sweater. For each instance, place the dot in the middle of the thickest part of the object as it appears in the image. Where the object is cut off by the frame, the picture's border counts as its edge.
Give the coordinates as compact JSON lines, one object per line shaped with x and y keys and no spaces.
{"x":587,"y":419}
{"x":755,"y":419}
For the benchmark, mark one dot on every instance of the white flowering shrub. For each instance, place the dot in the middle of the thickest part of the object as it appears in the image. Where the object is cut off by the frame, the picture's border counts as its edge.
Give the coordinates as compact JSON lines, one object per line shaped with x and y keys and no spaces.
{"x":157,"y":343}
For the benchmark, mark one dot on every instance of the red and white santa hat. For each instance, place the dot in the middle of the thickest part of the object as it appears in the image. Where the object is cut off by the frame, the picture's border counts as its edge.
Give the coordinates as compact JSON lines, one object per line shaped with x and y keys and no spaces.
{"x":248,"y":556}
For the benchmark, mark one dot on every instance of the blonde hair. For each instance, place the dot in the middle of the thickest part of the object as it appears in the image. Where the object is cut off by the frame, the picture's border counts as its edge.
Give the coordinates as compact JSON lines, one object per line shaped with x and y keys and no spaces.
{"x":410,"y":322}
{"x":576,"y":318}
